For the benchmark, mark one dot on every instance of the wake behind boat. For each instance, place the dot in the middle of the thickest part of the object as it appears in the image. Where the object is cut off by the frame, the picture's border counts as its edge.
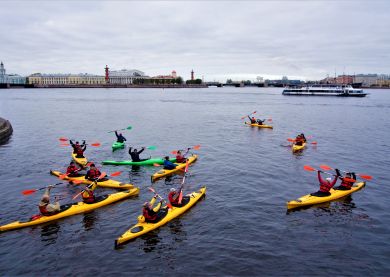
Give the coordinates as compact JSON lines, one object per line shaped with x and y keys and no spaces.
{"x":325,"y":90}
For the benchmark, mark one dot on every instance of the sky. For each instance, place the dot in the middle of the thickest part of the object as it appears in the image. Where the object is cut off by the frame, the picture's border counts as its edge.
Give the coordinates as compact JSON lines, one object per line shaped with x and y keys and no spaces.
{"x":217,"y":39}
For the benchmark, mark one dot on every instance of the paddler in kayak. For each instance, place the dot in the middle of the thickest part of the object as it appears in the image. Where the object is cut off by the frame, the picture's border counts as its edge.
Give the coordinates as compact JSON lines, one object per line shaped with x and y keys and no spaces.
{"x":325,"y":185}
{"x":119,"y":137}
{"x":93,"y":173}
{"x":299,"y":140}
{"x":78,"y":149}
{"x":168,"y":164}
{"x":151,"y":214}
{"x":72,"y":170}
{"x":180,"y":158}
{"x":44,"y":205}
{"x":88,"y":195}
{"x":135,"y":154}
{"x":174,"y":197}
{"x":260,"y":122}
{"x":346,"y":181}
{"x":253,"y":119}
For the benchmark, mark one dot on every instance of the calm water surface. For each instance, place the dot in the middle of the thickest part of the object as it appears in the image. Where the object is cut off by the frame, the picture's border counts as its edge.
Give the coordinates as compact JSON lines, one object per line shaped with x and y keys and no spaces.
{"x":241,"y":227}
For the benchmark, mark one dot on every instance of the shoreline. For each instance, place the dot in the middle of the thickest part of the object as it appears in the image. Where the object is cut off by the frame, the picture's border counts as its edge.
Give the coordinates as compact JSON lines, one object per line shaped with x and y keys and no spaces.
{"x":6,"y":130}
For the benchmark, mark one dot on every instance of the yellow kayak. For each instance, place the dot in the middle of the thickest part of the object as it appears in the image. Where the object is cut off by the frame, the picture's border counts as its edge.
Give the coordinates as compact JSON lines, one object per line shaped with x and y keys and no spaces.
{"x":143,"y":227}
{"x":104,"y":183}
{"x":80,"y":161}
{"x":309,"y":200}
{"x":258,"y":125}
{"x":166,"y":172}
{"x":296,"y":148}
{"x":72,"y":209}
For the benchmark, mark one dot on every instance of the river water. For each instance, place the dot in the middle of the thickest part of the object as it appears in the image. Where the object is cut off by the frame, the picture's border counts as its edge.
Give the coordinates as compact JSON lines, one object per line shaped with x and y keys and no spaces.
{"x":242,"y":226}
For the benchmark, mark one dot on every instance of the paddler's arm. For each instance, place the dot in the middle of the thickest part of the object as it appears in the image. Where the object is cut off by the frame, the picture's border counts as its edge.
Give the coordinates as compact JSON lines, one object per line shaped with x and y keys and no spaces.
{"x":157,"y":208}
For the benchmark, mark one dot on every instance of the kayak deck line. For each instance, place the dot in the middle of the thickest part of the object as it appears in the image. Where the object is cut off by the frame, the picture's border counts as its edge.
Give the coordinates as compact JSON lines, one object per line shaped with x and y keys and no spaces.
{"x":72,"y":209}
{"x":142,"y":228}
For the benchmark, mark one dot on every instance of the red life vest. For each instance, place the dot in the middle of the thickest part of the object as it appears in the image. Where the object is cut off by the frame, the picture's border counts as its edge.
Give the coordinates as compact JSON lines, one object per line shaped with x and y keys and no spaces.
{"x":71,"y":169}
{"x":149,"y":214}
{"x":93,"y":173}
{"x":346,"y":184}
{"x":180,"y":159}
{"x":172,"y":199}
{"x":88,"y":197}
{"x":325,"y":186}
{"x":43,"y":210}
{"x":79,"y":150}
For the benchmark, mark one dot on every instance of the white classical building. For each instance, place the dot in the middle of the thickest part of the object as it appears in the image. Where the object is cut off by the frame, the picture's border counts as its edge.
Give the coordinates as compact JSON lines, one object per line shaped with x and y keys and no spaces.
{"x":125,"y":76}
{"x":10,"y":78}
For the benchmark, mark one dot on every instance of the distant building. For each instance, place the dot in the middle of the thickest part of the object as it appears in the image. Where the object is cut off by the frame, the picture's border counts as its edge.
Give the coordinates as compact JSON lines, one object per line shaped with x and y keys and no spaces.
{"x":13,"y":79}
{"x":65,"y":79}
{"x":125,"y":76}
{"x":367,"y":80}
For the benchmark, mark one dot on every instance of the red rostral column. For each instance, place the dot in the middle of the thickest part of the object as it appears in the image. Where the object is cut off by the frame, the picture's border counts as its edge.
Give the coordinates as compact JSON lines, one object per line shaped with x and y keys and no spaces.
{"x":107,"y":74}
{"x":192,"y":75}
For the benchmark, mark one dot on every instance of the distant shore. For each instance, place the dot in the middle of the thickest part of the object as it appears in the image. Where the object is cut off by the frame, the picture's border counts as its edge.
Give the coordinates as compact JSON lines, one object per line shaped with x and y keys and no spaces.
{"x":119,"y":86}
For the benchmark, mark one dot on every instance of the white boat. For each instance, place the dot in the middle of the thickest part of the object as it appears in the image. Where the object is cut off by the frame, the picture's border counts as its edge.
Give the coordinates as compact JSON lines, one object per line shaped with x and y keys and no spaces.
{"x":325,"y":90}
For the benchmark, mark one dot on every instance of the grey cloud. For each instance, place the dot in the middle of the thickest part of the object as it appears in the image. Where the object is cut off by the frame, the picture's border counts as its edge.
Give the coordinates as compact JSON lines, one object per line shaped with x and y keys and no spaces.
{"x":215,"y":38}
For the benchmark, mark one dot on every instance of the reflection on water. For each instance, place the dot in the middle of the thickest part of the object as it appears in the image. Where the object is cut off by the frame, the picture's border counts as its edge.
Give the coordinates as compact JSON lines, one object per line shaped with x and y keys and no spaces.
{"x":151,"y":241}
{"x":89,"y":220}
{"x":176,"y":228}
{"x":49,"y":233}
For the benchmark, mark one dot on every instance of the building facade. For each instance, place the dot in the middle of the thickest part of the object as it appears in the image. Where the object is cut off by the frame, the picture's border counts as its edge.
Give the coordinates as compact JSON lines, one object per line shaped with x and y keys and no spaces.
{"x":65,"y":79}
{"x":13,"y":79}
{"x":125,"y":76}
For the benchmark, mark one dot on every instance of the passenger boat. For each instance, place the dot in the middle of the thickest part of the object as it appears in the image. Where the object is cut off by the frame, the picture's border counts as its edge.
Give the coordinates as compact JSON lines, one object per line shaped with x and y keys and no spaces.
{"x":325,"y":90}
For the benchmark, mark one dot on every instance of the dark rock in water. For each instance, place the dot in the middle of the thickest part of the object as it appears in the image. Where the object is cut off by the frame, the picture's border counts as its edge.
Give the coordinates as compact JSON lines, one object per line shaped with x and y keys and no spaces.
{"x":5,"y":130}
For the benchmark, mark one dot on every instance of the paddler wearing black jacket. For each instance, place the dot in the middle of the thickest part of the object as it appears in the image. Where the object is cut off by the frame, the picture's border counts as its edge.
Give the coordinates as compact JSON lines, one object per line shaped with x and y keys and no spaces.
{"x":135,"y":154}
{"x":119,"y":137}
{"x":253,"y":119}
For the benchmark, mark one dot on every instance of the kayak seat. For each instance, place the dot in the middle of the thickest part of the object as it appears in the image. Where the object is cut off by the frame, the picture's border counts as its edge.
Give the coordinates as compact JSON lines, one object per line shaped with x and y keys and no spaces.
{"x":184,"y":201}
{"x":99,"y":199}
{"x":160,"y":215}
{"x":136,"y":229}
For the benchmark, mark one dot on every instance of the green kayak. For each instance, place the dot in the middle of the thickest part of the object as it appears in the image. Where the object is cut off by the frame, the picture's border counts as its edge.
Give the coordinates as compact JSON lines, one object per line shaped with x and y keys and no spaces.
{"x":147,"y":162}
{"x":118,"y":145}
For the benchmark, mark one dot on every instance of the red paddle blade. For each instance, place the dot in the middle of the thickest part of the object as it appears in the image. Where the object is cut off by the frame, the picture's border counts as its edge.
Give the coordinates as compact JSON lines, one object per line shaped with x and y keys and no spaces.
{"x":28,"y":192}
{"x":151,"y":189}
{"x":308,"y":168}
{"x":102,"y":175}
{"x":174,"y":152}
{"x":96,"y":144}
{"x":270,"y":120}
{"x":325,"y":167}
{"x":64,"y":144}
{"x":186,"y":169}
{"x":349,"y":179}
{"x":63,"y":139}
{"x":313,"y":142}
{"x":366,"y":177}
{"x":196,"y":147}
{"x":156,"y":164}
{"x":117,"y":173}
{"x":255,"y":112}
{"x":291,"y":140}
{"x":169,"y":205}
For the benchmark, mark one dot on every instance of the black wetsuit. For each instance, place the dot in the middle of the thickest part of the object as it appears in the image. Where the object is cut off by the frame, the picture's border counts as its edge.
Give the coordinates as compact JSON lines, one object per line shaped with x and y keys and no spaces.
{"x":120,"y":138}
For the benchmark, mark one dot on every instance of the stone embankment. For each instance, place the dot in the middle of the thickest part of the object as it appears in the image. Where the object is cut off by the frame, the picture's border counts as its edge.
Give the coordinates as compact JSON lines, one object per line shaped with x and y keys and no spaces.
{"x":5,"y":130}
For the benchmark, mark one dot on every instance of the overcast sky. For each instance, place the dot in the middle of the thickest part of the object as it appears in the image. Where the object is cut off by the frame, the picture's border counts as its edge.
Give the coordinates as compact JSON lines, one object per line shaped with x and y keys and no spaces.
{"x":217,"y":39}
